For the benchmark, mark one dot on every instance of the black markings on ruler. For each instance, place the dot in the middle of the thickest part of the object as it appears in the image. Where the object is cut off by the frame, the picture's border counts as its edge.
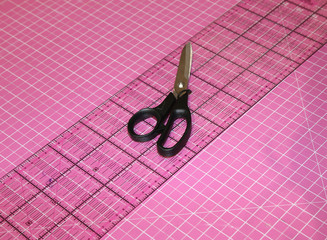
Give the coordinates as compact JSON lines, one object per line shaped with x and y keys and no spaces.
{"x":53,"y":200}
{"x":286,"y":27}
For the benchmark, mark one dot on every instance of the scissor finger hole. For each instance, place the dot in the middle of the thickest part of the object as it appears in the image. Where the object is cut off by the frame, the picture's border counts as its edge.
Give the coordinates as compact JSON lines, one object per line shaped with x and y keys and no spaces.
{"x":145,"y":126}
{"x":178,"y":129}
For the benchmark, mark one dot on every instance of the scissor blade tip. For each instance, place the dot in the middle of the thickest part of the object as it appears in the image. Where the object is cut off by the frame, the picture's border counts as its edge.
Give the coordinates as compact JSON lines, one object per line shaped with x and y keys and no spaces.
{"x":189,"y":45}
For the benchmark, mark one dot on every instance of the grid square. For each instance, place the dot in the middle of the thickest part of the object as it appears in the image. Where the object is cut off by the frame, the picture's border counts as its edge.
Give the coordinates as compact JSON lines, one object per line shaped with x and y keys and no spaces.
{"x":135,"y":183}
{"x":315,"y":27}
{"x":77,"y":142}
{"x":238,"y":19}
{"x":289,"y":15}
{"x":312,"y":5}
{"x":105,"y":162}
{"x":71,"y":228}
{"x":72,"y":189}
{"x":201,"y":92}
{"x":102,"y":211}
{"x":243,"y":52}
{"x":323,"y":11}
{"x":296,"y":47}
{"x":203,"y":131}
{"x":266,"y":33}
{"x":38,"y":216}
{"x":215,"y":38}
{"x":136,"y":95}
{"x":14,"y":192}
{"x":8,"y":232}
{"x":219,"y":71}
{"x":223,"y":109}
{"x":248,"y":87}
{"x":45,"y":167}
{"x":107,"y":119}
{"x":161,"y":76}
{"x":261,"y":7}
{"x":273,"y":67}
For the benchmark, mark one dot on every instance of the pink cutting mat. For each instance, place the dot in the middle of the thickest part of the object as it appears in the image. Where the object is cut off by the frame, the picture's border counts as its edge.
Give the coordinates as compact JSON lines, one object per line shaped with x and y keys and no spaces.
{"x":265,"y":177}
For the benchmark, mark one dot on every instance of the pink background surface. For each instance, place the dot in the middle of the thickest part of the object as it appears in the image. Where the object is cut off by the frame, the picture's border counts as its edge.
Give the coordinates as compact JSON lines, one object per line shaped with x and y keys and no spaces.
{"x":265,"y":177}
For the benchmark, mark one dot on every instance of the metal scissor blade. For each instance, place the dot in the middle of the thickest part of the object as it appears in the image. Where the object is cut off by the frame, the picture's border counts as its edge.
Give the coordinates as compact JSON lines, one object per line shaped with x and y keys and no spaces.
{"x":184,"y":70}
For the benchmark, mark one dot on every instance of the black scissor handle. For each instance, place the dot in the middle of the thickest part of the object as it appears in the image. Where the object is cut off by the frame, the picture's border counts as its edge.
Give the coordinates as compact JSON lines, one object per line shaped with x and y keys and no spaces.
{"x":160,"y":113}
{"x":179,"y":111}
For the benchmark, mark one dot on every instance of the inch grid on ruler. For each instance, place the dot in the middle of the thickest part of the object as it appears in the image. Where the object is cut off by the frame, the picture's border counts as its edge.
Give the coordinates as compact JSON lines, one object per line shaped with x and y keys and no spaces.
{"x":93,"y":175}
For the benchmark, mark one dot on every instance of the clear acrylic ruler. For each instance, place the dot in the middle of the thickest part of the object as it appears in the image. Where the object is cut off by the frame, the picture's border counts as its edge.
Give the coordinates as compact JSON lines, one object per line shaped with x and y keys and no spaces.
{"x":90,"y":177}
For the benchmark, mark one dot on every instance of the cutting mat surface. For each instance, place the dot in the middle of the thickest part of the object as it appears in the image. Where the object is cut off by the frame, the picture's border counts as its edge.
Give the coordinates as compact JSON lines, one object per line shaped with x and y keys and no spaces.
{"x":263,"y":177}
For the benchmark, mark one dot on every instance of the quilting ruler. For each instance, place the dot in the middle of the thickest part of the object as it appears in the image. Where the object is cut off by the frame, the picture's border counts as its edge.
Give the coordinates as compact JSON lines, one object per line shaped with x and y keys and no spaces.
{"x":90,"y":177}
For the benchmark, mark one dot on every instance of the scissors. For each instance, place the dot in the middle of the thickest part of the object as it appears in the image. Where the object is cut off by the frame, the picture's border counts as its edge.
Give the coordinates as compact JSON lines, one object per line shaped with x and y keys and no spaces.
{"x":174,"y":105}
